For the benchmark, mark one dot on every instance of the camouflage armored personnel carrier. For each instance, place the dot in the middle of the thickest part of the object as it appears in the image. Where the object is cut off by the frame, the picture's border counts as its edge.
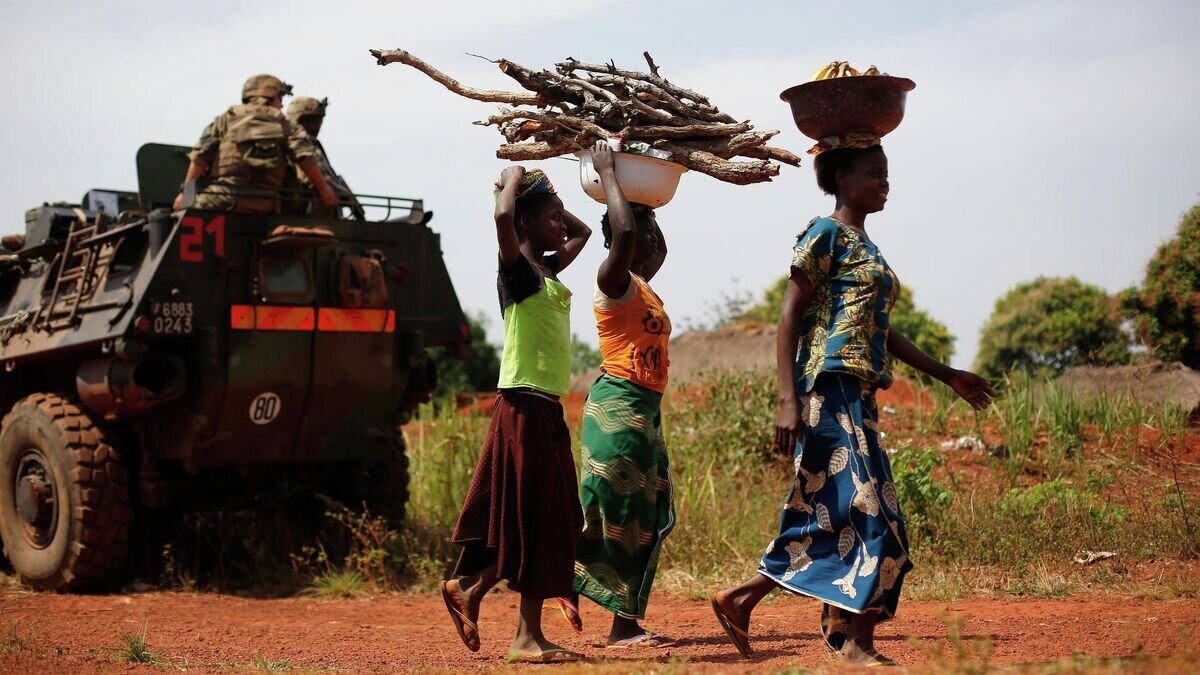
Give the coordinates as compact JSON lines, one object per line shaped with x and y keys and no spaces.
{"x":186,"y":359}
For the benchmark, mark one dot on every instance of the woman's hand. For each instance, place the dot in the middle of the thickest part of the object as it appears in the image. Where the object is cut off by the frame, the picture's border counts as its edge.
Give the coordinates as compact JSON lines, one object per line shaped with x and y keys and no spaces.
{"x":972,"y":388}
{"x":603,"y":159}
{"x":788,"y":427}
{"x":511,"y":176}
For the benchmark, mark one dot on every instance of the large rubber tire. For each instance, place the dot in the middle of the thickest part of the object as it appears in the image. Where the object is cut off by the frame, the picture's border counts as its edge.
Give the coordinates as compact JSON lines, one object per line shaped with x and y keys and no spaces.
{"x":387,"y":494}
{"x":79,"y":537}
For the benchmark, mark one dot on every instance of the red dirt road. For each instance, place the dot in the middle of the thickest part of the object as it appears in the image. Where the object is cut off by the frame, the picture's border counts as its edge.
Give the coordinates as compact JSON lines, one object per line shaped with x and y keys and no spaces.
{"x":206,"y":632}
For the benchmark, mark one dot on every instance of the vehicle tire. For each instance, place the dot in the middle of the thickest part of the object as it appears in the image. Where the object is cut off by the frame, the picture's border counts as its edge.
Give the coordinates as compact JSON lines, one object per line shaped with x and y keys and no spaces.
{"x":387,"y":492}
{"x":64,"y":496}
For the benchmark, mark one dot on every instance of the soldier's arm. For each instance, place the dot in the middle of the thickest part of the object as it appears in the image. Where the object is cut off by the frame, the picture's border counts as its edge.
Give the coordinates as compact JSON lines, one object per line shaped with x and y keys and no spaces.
{"x":197,"y":169}
{"x":312,"y":169}
{"x":201,"y":157}
{"x":304,"y":153}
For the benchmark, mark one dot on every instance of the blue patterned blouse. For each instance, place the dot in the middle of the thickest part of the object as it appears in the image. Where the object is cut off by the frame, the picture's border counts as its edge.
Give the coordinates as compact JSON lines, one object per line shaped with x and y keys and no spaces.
{"x":845,"y":327}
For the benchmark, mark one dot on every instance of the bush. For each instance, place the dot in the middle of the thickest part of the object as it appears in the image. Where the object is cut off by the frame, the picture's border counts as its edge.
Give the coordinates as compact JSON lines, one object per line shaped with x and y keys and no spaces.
{"x":1049,"y":324}
{"x":479,"y":371}
{"x":584,"y":357}
{"x":923,"y":499}
{"x":927,"y":333}
{"x":1166,"y":309}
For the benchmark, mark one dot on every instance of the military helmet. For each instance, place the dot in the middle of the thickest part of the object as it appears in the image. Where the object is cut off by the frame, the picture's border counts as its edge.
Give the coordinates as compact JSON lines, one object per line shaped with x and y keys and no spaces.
{"x":305,"y":106}
{"x":267,"y":86}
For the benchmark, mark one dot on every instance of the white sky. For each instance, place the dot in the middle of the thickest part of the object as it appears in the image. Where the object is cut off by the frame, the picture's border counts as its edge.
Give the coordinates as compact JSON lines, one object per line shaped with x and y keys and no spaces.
{"x":1042,"y":138}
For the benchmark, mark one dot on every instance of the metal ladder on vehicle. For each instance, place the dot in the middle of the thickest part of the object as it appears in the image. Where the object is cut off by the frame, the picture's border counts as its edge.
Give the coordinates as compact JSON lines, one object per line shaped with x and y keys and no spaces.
{"x":76,"y":268}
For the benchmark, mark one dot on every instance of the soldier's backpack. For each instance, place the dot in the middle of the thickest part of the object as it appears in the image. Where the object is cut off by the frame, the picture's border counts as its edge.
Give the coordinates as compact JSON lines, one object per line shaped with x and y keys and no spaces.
{"x":255,"y":145}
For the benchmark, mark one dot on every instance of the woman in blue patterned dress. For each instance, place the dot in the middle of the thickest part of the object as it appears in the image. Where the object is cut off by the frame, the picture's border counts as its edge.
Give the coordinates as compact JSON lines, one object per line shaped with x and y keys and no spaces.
{"x":841,"y":534}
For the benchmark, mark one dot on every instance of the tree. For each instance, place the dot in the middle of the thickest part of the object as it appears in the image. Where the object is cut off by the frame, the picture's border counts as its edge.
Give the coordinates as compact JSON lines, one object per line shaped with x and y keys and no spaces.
{"x":479,"y":371}
{"x":926,"y":332}
{"x":584,"y":357}
{"x":1050,"y":324}
{"x":1166,"y":309}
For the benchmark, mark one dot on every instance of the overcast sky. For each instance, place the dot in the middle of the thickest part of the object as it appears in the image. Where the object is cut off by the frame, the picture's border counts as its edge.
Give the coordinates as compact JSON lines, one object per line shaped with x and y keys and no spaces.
{"x":1042,"y":138}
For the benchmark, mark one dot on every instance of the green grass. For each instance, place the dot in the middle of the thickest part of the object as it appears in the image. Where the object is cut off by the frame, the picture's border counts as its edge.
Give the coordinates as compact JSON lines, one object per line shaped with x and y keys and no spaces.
{"x":1077,"y":474}
{"x":133,"y":647}
{"x":13,"y":642}
{"x":270,"y":666}
{"x":339,"y":584}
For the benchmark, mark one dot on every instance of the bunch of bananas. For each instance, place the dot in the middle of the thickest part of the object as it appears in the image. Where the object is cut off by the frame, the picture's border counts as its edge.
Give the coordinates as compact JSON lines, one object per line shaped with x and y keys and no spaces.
{"x":842,"y":69}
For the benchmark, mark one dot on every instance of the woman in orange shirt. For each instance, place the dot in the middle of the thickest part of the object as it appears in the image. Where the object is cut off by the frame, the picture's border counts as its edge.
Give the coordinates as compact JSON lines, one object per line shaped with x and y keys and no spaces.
{"x":626,"y":488}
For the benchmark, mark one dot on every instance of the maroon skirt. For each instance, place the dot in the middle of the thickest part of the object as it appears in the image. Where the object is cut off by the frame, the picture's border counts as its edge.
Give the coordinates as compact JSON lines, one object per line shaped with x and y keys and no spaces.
{"x":522,"y":512}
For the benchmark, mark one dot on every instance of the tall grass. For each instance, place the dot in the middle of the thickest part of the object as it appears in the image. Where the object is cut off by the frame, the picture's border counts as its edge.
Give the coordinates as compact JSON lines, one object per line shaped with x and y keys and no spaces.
{"x":1074,"y":474}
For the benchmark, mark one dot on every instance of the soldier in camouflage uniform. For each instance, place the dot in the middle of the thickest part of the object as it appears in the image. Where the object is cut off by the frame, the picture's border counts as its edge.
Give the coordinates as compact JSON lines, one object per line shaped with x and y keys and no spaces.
{"x":309,"y":113}
{"x":247,"y":152}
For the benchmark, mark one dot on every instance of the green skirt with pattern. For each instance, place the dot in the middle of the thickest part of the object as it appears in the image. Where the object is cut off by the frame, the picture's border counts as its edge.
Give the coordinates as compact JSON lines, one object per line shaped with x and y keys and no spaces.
{"x":626,"y":494}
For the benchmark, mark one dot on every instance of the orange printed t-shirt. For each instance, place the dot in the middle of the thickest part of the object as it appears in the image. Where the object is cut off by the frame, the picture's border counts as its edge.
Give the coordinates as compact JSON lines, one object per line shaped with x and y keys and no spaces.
{"x":634,"y":330}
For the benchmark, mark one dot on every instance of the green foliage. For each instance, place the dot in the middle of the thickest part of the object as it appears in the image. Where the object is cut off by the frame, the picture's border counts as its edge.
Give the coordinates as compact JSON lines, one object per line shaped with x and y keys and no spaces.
{"x":584,"y":357}
{"x":927,"y":333}
{"x":922,"y":497}
{"x":134,"y":648}
{"x":768,"y":309}
{"x":338,"y":583}
{"x":1048,"y":325}
{"x":1166,"y":309}
{"x":479,"y":371}
{"x":728,"y":484}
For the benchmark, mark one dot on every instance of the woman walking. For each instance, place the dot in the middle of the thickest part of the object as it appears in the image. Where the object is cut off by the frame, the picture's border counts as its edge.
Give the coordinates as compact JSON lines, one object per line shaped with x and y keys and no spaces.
{"x":841,"y":534}
{"x":522,"y":516}
{"x":626,"y":486}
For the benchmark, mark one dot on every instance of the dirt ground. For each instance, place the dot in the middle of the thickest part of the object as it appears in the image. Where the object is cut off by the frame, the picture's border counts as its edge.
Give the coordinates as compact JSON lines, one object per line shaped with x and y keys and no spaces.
{"x":207,"y":632}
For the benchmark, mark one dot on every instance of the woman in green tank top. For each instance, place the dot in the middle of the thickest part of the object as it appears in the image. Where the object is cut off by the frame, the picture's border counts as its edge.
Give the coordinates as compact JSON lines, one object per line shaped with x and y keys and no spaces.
{"x":522,"y":516}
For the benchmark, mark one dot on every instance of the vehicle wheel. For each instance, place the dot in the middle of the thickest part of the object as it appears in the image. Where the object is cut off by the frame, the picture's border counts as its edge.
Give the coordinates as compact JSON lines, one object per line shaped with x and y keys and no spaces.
{"x":387,"y":492}
{"x":64,"y":496}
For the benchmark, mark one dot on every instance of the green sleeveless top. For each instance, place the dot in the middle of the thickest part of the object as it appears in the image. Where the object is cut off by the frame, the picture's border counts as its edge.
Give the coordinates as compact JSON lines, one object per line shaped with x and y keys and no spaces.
{"x":537,"y":330}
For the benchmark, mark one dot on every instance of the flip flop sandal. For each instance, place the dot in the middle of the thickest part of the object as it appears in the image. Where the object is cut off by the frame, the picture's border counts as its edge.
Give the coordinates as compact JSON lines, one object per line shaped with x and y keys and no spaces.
{"x":643,"y":641}
{"x":461,"y":623}
{"x":739,"y":637}
{"x":571,"y":613}
{"x":548,"y":656}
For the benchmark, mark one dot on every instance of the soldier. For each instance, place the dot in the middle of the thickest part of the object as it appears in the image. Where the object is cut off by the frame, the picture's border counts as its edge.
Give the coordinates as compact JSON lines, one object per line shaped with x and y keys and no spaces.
{"x":309,"y":113}
{"x":245,"y":153}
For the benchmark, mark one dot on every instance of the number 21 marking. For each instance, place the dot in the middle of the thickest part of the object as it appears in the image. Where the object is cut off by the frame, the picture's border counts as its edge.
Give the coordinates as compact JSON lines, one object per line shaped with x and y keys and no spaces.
{"x":191,"y":237}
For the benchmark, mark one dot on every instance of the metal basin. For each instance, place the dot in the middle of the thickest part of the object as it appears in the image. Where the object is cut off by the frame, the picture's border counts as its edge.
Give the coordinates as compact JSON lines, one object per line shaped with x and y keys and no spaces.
{"x":864,"y":104}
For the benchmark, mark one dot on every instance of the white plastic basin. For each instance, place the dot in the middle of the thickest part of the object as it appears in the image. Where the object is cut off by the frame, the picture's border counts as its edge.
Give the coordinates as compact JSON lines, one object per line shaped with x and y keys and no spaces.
{"x":644,"y":180}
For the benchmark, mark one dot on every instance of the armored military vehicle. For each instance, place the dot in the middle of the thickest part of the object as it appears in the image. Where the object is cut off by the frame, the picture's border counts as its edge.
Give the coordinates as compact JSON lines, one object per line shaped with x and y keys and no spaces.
{"x":154,"y":358}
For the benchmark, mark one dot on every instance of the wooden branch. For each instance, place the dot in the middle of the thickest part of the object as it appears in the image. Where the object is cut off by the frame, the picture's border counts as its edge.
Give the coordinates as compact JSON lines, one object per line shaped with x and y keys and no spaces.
{"x":528,"y":152}
{"x":768,"y":152}
{"x":650,"y":62}
{"x":386,"y":56}
{"x":539,"y":82}
{"x":679,"y":92}
{"x":698,"y":113}
{"x":730,"y":146}
{"x":687,"y":131}
{"x":739,"y":173}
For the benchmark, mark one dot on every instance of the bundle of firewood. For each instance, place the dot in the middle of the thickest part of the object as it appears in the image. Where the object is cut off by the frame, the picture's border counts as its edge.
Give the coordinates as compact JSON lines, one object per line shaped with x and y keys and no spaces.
{"x":579,"y":103}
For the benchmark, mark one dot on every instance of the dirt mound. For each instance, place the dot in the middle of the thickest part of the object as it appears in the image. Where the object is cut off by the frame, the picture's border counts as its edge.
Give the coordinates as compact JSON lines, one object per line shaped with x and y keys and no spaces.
{"x":1161,"y":383}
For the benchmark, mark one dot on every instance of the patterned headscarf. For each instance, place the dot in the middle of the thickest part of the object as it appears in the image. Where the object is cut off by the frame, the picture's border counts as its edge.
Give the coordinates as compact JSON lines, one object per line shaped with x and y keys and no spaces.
{"x":853,"y":140}
{"x":535,"y":182}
